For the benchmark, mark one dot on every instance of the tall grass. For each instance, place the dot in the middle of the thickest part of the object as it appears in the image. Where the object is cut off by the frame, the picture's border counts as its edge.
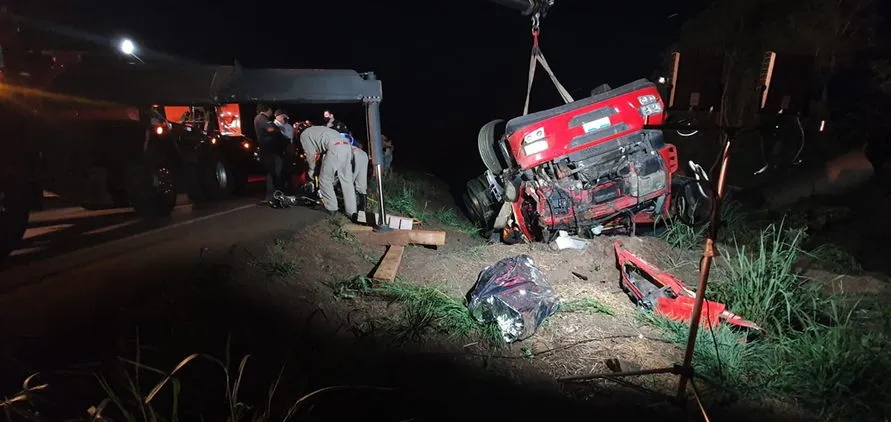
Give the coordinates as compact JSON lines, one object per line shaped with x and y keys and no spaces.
{"x":734,"y":225}
{"x":764,"y":285}
{"x":135,"y":391}
{"x":810,"y":352}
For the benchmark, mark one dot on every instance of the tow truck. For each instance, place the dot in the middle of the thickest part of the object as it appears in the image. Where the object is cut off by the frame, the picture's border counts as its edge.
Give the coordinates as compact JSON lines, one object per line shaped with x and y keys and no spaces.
{"x":77,"y":128}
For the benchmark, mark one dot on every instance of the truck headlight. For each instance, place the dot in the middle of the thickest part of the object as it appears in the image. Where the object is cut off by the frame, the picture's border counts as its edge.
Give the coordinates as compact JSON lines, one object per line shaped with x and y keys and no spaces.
{"x":649,"y":105}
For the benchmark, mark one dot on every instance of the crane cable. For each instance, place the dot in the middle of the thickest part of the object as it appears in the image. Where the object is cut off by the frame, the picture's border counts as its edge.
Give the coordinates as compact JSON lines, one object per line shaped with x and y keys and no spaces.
{"x":538,"y":58}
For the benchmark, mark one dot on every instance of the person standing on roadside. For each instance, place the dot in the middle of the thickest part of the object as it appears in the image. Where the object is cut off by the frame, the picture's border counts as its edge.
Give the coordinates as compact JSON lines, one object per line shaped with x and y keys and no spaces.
{"x":388,"y":154}
{"x":288,"y":150}
{"x":268,"y":138}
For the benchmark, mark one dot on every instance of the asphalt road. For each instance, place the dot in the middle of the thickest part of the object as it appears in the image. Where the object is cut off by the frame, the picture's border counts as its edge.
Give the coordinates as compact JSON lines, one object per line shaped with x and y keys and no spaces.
{"x":77,"y":263}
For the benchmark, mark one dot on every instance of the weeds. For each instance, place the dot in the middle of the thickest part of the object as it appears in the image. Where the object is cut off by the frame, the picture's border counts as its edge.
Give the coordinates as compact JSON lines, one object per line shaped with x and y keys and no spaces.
{"x":425,"y":308}
{"x":278,"y":261}
{"x":126,"y":399}
{"x":586,"y":305}
{"x":811,"y":353}
{"x":402,"y":198}
{"x":764,"y":286}
{"x":683,"y":236}
{"x":338,"y":232}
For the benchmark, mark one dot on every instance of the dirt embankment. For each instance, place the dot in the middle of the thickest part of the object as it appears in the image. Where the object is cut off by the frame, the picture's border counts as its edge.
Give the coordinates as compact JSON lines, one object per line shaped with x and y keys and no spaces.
{"x":302,"y":300}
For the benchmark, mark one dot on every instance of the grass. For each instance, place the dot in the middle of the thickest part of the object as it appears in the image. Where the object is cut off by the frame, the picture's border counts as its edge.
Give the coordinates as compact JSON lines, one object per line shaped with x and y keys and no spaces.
{"x":278,"y":262}
{"x":425,"y":309}
{"x":734,"y":226}
{"x":338,"y":232}
{"x":811,"y":352}
{"x":134,"y":391}
{"x":586,"y":305}
{"x":403,"y":198}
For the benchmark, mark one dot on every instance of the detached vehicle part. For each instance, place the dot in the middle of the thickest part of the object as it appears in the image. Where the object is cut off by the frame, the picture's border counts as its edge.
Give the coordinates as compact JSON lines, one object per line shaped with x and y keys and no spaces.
{"x":655,"y":290}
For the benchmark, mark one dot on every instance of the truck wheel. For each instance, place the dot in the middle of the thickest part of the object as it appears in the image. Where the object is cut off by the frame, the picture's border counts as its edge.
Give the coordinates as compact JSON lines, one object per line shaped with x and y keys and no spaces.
{"x":687,"y":203}
{"x":215,"y":178}
{"x":13,"y":218}
{"x":481,"y":207}
{"x":152,"y":190}
{"x":486,"y":144}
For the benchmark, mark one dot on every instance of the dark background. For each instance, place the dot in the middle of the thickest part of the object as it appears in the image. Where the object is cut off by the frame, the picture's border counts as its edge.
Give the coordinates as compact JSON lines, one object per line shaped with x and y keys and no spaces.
{"x":447,"y":67}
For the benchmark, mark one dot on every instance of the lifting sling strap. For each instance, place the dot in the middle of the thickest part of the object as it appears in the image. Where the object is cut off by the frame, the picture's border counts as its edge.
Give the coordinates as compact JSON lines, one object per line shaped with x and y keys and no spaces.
{"x":538,"y":57}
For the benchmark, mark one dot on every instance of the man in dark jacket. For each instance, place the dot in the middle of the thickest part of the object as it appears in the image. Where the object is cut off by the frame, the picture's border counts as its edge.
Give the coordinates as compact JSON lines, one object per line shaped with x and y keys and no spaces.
{"x":269,"y":139}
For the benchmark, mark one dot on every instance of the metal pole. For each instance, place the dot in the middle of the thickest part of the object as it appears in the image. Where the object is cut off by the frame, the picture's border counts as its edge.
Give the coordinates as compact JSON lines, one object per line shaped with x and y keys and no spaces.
{"x":708,"y":254}
{"x":373,"y":123}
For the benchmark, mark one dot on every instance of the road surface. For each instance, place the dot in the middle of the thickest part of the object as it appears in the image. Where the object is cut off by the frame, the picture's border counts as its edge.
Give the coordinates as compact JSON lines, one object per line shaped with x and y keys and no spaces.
{"x":77,"y":264}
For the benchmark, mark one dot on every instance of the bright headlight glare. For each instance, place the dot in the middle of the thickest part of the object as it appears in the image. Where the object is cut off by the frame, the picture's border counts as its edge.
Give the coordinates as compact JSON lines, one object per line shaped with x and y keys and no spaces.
{"x":646,"y":99}
{"x":651,"y":109}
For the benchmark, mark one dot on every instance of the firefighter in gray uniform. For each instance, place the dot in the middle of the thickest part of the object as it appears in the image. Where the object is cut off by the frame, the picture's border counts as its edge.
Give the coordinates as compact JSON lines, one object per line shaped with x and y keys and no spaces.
{"x":337,"y":156}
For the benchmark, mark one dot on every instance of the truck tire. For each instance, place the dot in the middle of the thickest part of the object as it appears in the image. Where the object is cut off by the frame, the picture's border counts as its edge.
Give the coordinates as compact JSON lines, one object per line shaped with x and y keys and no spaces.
{"x":152,"y":190}
{"x":486,"y":144}
{"x":215,"y":178}
{"x":687,"y":203}
{"x":13,"y":218}
{"x":481,"y":206}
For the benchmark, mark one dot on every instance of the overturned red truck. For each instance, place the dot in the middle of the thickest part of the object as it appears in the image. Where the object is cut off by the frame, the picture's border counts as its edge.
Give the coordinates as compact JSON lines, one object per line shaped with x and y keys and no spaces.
{"x":595,"y":166}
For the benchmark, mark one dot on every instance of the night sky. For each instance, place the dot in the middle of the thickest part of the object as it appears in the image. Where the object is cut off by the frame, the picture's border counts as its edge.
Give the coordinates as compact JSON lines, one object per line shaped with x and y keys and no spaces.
{"x":447,"y":67}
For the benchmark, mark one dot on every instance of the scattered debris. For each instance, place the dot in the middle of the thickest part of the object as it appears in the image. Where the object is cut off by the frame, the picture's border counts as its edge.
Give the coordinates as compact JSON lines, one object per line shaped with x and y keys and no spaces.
{"x":513,"y":293}
{"x":654,"y":289}
{"x":280,"y":200}
{"x":565,"y":241}
{"x":583,"y":277}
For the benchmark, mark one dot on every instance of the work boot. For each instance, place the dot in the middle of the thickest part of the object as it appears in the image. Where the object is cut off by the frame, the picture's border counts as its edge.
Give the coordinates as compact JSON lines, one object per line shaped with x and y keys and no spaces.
{"x":361,"y":201}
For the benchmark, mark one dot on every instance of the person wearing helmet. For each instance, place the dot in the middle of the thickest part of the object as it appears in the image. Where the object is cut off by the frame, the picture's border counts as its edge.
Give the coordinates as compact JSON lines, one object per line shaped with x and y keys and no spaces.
{"x":336,"y":163}
{"x":360,"y":166}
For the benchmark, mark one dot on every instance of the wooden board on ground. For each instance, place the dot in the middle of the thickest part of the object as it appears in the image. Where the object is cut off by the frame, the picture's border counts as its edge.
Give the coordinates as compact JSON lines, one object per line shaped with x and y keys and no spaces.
{"x":355,"y":228}
{"x":402,"y":237}
{"x":389,"y":265}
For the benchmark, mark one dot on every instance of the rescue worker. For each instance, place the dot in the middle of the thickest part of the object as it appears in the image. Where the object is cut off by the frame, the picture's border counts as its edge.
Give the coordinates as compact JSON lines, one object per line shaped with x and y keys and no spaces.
{"x":360,"y":167}
{"x":268,"y":137}
{"x":336,"y":162}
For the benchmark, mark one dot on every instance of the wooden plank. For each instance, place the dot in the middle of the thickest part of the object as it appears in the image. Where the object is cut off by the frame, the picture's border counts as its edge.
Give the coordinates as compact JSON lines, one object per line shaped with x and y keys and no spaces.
{"x":353,"y":228}
{"x":403,"y":237}
{"x":389,"y":265}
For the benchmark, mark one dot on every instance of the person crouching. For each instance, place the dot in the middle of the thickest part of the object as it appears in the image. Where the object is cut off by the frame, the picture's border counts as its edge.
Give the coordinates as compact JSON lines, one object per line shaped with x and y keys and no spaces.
{"x":360,"y":167}
{"x":337,"y":158}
